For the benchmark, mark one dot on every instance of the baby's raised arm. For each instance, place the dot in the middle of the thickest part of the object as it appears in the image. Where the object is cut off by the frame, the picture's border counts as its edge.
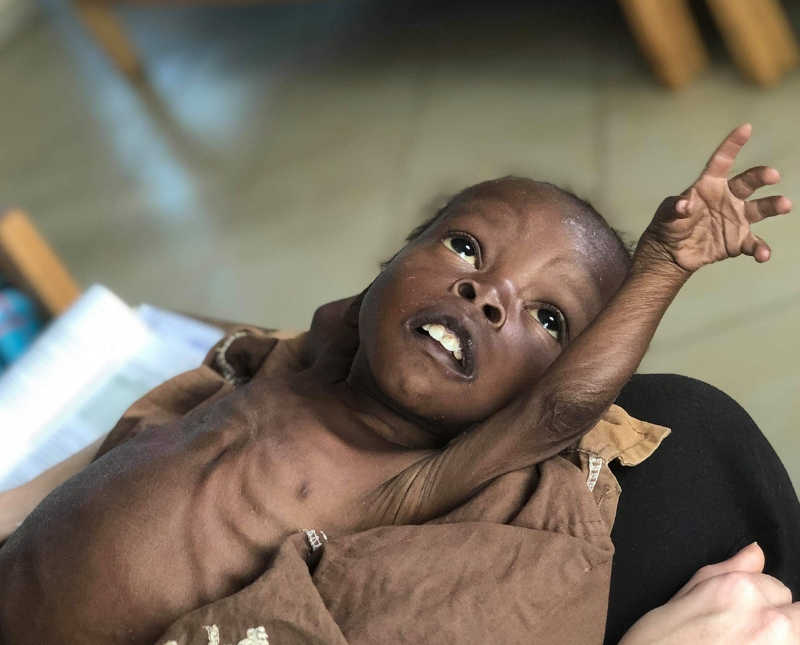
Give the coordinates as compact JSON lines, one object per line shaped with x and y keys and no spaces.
{"x":708,"y":222}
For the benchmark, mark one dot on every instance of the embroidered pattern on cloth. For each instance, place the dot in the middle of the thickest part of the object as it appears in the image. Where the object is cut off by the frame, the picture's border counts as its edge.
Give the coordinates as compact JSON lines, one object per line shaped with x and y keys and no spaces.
{"x":315,"y":540}
{"x":255,"y":636}
{"x":228,"y":372}
{"x":595,"y":464}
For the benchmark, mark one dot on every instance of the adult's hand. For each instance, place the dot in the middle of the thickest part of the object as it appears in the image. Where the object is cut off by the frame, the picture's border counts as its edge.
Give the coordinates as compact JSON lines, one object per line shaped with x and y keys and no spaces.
{"x":728,"y":602}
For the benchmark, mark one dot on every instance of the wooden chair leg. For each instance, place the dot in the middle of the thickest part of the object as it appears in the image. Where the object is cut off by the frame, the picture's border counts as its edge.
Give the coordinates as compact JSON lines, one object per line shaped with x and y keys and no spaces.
{"x":107,"y":30}
{"x":29,"y":262}
{"x":758,"y":37}
{"x":669,"y":37}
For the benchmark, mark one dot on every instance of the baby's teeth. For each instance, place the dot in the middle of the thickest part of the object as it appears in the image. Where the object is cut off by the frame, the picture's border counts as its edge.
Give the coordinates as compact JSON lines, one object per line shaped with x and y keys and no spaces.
{"x":450,"y":342}
{"x":446,"y":338}
{"x":435,"y":331}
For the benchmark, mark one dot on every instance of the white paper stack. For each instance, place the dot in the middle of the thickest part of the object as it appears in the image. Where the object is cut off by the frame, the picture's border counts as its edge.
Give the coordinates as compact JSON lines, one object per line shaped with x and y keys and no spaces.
{"x":83,"y":372}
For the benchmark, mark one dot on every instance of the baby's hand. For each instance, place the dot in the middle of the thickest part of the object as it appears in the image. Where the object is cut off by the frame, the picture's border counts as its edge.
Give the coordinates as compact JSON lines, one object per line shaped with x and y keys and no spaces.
{"x":710,"y":221}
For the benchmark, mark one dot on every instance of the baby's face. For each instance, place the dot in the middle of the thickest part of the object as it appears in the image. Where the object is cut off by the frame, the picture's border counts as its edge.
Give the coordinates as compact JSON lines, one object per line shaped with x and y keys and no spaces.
{"x":504,"y":282}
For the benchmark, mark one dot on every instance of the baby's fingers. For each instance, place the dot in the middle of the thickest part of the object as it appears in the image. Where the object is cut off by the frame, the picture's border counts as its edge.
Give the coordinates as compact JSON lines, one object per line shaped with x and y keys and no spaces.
{"x":755,"y":246}
{"x":757,"y":209}
{"x":721,"y":162}
{"x":745,"y":184}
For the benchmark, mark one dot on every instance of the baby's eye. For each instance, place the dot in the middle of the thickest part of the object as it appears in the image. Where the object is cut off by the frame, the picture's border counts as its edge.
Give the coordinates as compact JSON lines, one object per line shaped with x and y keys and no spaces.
{"x":550,"y":319}
{"x":466,"y":248}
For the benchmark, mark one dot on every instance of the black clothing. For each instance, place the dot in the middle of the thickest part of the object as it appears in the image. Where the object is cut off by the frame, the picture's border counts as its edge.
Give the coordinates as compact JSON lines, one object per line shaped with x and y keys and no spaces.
{"x":714,"y":486}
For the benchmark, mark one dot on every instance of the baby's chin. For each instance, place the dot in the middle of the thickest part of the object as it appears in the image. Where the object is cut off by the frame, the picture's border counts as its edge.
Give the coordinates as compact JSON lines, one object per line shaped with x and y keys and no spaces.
{"x":448,"y":407}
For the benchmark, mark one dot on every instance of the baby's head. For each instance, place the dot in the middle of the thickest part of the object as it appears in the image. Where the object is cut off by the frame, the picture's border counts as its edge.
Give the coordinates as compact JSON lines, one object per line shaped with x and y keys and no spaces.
{"x":510,"y":271}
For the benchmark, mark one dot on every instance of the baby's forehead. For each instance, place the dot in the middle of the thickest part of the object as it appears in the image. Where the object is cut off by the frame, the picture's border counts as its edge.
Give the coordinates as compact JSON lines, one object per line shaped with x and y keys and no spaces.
{"x":542,"y":220}
{"x":525,"y":205}
{"x":520,"y":214}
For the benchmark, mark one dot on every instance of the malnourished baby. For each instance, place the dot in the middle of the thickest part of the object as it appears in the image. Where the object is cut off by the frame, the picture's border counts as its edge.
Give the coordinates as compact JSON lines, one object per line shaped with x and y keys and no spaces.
{"x":493,"y":340}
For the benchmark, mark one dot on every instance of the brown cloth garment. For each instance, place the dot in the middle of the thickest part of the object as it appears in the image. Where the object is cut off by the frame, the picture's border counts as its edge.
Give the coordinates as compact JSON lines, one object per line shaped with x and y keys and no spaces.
{"x":527,"y":560}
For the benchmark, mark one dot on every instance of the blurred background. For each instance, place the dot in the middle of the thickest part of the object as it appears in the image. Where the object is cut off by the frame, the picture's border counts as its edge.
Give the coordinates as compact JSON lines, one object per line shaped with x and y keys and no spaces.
{"x":259,"y":160}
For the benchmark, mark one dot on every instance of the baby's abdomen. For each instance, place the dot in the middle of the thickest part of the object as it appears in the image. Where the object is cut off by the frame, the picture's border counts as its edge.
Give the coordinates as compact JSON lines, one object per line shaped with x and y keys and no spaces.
{"x":142,"y":536}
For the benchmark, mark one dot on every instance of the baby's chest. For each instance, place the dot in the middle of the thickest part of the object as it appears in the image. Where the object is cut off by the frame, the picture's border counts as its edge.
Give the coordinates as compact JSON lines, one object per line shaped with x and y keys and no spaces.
{"x":186,"y":513}
{"x":285,"y":457}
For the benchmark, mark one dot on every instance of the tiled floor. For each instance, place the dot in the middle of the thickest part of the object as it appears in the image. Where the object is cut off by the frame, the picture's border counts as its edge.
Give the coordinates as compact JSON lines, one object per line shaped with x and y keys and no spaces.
{"x":278,"y":153}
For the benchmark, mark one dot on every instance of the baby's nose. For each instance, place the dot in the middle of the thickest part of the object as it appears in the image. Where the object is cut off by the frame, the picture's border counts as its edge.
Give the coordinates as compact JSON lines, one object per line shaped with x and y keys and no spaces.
{"x":484,"y":296}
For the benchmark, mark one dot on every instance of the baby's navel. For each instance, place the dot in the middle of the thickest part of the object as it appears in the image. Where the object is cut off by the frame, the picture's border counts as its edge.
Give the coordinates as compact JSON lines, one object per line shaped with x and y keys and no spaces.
{"x":303,"y":490}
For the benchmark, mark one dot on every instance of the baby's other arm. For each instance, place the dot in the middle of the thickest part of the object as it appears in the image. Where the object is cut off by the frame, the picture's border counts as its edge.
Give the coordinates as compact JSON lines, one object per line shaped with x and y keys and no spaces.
{"x":708,"y":222}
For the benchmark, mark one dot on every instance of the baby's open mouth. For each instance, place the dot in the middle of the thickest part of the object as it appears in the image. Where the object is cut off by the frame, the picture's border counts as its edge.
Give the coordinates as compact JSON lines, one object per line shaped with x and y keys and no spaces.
{"x":446,"y":337}
{"x":450,"y":338}
{"x":452,"y":341}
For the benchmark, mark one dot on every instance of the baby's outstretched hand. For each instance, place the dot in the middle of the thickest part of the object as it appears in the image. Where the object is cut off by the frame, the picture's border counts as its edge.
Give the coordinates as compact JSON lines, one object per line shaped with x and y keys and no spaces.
{"x":710,"y":221}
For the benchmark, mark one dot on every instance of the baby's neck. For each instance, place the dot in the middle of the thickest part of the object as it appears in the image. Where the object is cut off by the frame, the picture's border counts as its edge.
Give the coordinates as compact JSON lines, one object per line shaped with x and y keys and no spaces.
{"x":360,"y":393}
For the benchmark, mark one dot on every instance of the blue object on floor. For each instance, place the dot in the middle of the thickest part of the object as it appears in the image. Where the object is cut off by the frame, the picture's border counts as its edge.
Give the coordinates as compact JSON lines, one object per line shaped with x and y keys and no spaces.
{"x":19,"y":324}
